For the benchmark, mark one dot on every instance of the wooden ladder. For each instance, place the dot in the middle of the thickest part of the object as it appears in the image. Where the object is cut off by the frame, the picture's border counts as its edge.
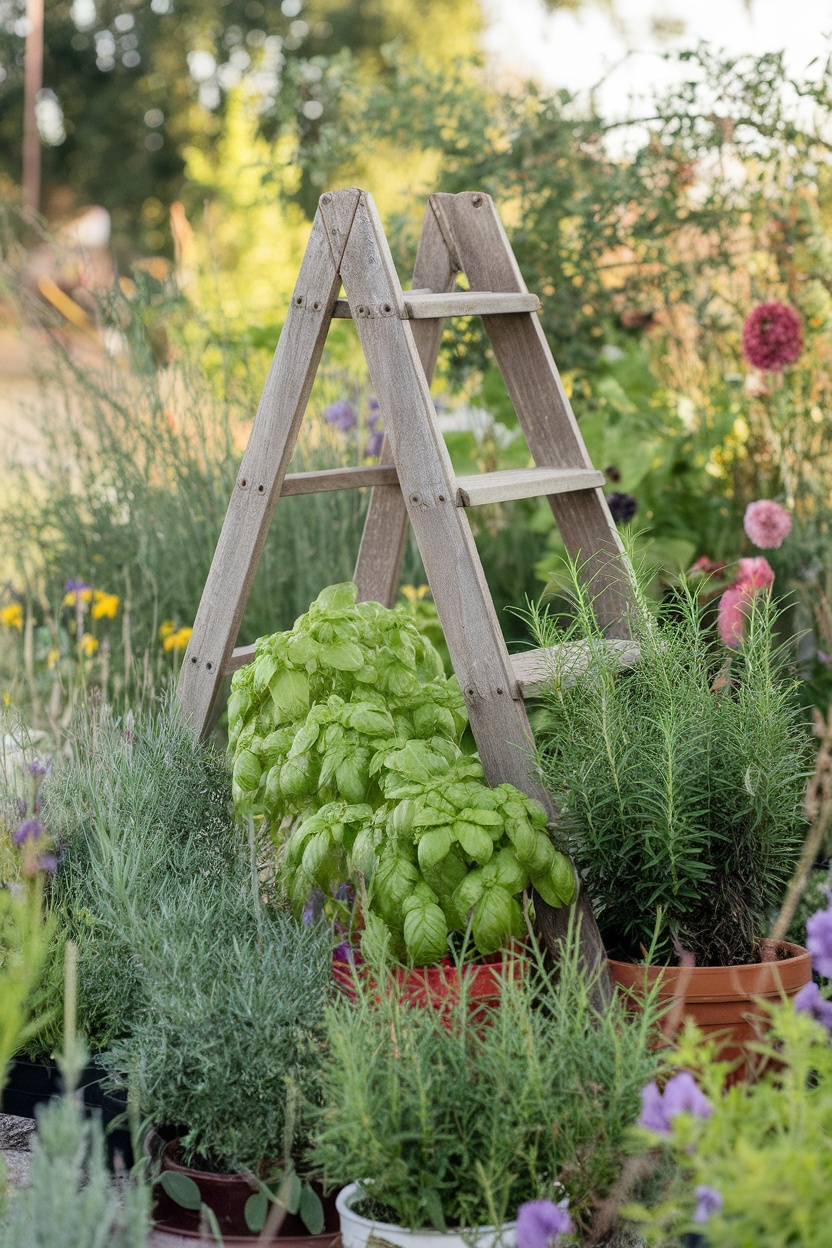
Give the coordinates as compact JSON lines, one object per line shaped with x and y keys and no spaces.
{"x":400,"y":332}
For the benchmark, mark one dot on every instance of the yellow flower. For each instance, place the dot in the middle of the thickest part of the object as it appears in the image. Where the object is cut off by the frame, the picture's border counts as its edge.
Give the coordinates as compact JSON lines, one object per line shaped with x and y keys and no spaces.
{"x":166,"y":628}
{"x":88,"y":645}
{"x":72,"y":596}
{"x":414,"y":595}
{"x":104,"y":605}
{"x":178,"y":640}
{"x":52,"y":658}
{"x":7,"y":698}
{"x":12,"y":616}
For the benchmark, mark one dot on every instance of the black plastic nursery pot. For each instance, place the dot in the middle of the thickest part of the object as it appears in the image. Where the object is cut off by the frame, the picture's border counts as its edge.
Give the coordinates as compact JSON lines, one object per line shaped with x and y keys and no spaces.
{"x":30,"y":1084}
{"x":226,"y":1196}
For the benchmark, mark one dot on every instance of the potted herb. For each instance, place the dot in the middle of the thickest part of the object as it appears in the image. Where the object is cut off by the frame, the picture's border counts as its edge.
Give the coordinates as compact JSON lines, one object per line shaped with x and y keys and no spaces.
{"x":679,"y":783}
{"x":347,"y":730}
{"x":437,"y":1124}
{"x":226,"y":1049}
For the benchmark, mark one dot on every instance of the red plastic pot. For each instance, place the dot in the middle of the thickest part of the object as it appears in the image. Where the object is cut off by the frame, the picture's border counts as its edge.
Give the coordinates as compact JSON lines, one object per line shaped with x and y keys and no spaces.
{"x":727,"y":1003}
{"x":441,"y":986}
{"x":226,"y":1196}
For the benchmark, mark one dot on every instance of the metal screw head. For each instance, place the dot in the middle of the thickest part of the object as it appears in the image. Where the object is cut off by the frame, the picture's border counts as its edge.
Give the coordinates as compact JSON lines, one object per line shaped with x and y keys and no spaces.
{"x":476,"y":200}
{"x":415,"y":498}
{"x":326,"y":199}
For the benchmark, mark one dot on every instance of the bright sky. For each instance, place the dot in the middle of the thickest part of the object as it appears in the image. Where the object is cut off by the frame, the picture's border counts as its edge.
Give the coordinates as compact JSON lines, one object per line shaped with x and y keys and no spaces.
{"x":575,"y":50}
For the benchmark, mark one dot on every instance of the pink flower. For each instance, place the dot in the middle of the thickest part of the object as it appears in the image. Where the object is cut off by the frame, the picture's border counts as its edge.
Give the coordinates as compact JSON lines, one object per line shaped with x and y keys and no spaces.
{"x":772,"y":337}
{"x":754,"y":575}
{"x":767,"y":523}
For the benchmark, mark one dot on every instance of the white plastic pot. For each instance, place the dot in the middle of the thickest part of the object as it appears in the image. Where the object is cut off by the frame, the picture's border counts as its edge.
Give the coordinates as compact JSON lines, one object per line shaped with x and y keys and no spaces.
{"x":356,"y":1231}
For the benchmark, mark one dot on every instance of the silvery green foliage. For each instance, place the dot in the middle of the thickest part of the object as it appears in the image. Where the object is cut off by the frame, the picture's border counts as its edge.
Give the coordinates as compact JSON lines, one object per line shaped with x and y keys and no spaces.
{"x":72,"y":1201}
{"x":348,"y":725}
{"x":228,"y":1042}
{"x":140,"y":812}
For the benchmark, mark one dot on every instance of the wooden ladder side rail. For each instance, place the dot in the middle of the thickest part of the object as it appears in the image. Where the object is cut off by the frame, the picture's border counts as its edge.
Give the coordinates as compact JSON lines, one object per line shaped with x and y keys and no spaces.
{"x":263,"y":468}
{"x":383,"y":541}
{"x":543,"y":409}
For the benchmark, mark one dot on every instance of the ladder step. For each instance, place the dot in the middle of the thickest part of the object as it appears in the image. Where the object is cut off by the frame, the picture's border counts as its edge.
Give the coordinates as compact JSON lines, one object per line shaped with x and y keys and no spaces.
{"x":427,"y":306}
{"x":510,"y":483}
{"x":240,"y":657}
{"x":567,"y":662}
{"x":325,"y":479}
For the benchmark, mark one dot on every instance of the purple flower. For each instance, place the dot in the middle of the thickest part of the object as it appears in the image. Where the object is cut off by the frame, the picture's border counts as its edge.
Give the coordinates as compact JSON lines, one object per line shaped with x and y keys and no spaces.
{"x":314,"y":907}
{"x":344,"y":953}
{"x":708,"y":1201}
{"x":341,"y":415}
{"x":682,"y":1095}
{"x":39,"y":767}
{"x":47,"y":862}
{"x":819,"y":941}
{"x":29,"y":830}
{"x":75,"y":586}
{"x":540,"y":1222}
{"x":622,"y":507}
{"x":373,"y":447}
{"x":809,"y":1001}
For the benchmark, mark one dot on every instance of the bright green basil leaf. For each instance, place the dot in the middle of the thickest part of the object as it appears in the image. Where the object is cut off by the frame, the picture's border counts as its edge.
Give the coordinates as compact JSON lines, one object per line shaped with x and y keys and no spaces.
{"x":425,"y":933}
{"x":509,"y":872}
{"x":247,"y":771}
{"x":560,"y":886}
{"x":468,"y":893}
{"x":497,"y":918}
{"x":376,"y":940}
{"x":543,"y":858}
{"x":474,"y":840}
{"x":315,"y":851}
{"x":344,"y":656}
{"x":290,"y":693}
{"x":433,"y":846}
{"x":522,"y":836}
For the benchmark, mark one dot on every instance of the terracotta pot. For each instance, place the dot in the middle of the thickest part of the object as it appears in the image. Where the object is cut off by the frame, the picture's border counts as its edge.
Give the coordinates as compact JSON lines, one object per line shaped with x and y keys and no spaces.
{"x":726,"y":1002}
{"x":226,"y":1195}
{"x":441,"y":986}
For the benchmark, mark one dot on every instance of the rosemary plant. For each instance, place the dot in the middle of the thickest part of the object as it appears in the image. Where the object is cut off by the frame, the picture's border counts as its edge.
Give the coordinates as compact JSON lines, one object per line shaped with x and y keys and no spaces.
{"x":679,"y":780}
{"x":453,"y":1119}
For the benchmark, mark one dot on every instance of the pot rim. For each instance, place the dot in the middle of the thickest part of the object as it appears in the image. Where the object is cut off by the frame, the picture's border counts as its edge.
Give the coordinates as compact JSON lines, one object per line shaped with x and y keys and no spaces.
{"x":343,"y":1203}
{"x":767,"y":980}
{"x":215,"y":1176}
{"x":796,"y":953}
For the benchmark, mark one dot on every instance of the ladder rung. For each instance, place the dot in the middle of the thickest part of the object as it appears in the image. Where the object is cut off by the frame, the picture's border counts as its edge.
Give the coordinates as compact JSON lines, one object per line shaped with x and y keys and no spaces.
{"x":421,"y":307}
{"x":326,"y":479}
{"x":426,"y":306}
{"x":240,"y":657}
{"x":510,"y":483}
{"x":566,"y":663}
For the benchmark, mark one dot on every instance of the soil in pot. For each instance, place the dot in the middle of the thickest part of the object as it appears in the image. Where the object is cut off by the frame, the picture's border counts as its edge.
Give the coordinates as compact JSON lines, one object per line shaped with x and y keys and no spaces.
{"x":357,"y":1230}
{"x":440,"y":986}
{"x":226,"y":1195}
{"x":727,"y":1003}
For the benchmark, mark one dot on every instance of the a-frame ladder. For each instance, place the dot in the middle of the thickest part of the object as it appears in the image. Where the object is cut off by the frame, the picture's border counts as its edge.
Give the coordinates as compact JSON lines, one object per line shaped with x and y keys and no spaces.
{"x":400,"y":332}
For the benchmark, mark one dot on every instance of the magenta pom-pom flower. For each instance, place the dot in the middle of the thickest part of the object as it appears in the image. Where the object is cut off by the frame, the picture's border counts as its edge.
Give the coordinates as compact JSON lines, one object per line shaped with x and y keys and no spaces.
{"x":772,"y":337}
{"x":755,"y":574}
{"x":767,"y":523}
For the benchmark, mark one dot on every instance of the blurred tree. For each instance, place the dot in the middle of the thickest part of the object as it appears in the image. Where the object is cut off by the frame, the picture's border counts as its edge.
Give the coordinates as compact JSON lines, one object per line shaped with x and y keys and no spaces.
{"x":129,"y":84}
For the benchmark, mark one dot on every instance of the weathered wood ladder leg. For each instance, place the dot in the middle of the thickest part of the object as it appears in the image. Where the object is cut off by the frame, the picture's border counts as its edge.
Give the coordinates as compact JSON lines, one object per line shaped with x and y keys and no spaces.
{"x":264,"y":464}
{"x":478,"y":652}
{"x":385,"y":529}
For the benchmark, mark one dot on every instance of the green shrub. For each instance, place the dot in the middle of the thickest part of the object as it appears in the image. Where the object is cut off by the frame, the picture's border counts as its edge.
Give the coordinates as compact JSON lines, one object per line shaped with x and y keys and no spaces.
{"x":455,"y":1118}
{"x":140,"y":813}
{"x":228,"y":1041}
{"x":679,"y":780}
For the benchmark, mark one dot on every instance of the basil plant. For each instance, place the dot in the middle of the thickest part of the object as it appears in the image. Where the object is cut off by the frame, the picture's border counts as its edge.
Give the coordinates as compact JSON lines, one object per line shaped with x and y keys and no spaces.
{"x":347,"y":730}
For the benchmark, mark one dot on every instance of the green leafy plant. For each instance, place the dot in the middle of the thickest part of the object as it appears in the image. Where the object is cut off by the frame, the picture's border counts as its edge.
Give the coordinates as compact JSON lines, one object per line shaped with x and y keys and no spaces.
{"x":679,"y":780}
{"x":757,"y":1169}
{"x":140,"y":812}
{"x":228,"y":1041}
{"x":348,"y":724}
{"x":453,"y":1120}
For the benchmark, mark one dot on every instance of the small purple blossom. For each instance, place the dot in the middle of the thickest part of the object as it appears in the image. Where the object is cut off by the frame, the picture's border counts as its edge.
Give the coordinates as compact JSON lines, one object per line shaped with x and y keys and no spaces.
{"x":682,"y":1095}
{"x":373,"y":448}
{"x":314,"y":907}
{"x":819,"y":941}
{"x":341,"y":415}
{"x":540,"y":1222}
{"x":29,"y":830}
{"x":809,"y":1001}
{"x":39,"y":767}
{"x":708,"y":1201}
{"x":622,"y":506}
{"x":75,"y":586}
{"x":47,"y":862}
{"x":344,"y":953}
